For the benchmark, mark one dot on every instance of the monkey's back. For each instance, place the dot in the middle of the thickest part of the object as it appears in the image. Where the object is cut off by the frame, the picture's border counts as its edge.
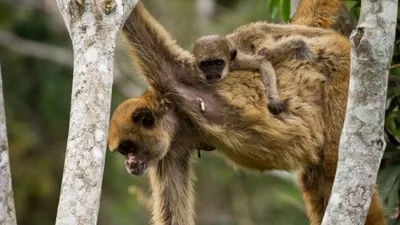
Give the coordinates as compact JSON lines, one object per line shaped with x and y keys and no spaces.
{"x":311,"y":127}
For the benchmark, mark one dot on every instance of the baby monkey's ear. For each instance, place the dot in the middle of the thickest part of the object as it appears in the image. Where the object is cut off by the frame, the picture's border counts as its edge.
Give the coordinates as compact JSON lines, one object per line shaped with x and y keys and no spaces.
{"x":144,"y":117}
{"x":233,"y":54}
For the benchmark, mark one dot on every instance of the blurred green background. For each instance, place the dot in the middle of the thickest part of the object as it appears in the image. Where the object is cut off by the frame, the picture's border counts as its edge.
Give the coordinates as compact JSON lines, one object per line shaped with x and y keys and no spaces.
{"x":36,"y":60}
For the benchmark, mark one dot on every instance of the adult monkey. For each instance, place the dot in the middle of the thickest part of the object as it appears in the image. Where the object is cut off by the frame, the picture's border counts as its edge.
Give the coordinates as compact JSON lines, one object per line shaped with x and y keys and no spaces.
{"x":234,"y":119}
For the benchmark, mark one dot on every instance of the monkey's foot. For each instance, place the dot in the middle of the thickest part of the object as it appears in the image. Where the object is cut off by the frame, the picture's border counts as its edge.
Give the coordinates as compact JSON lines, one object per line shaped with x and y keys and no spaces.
{"x":276,"y":106}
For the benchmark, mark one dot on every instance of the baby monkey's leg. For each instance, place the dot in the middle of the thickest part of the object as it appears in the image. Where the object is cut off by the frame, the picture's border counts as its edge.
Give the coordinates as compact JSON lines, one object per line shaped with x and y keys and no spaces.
{"x":286,"y":49}
{"x":268,"y":77}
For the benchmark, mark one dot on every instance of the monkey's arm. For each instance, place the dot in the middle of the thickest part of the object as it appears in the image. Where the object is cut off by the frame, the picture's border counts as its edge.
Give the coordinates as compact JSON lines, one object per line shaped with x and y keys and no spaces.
{"x":171,"y":183}
{"x":155,"y":54}
{"x":244,"y":61}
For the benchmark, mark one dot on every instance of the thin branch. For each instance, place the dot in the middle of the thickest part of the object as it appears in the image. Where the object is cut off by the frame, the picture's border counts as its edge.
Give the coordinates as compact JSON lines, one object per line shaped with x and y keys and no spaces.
{"x":394,"y":66}
{"x":64,"y":57}
{"x":36,"y":49}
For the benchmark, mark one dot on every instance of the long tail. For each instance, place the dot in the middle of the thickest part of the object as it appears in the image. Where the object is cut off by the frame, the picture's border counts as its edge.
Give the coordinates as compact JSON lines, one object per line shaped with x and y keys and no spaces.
{"x":317,"y":13}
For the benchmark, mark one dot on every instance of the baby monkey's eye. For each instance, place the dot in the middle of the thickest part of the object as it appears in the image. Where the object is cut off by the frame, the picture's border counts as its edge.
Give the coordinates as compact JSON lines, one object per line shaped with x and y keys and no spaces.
{"x":219,"y":62}
{"x":205,"y":63}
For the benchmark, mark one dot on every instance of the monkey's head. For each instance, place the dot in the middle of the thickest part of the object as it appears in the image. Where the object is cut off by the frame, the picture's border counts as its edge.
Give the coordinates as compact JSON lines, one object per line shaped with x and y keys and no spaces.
{"x":213,"y":54}
{"x":141,"y":129}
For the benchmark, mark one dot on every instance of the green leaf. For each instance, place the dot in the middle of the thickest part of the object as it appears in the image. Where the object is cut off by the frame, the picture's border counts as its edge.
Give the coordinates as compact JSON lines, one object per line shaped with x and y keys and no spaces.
{"x":285,"y":10}
{"x":273,"y":8}
{"x":388,"y":180}
{"x":393,"y":200}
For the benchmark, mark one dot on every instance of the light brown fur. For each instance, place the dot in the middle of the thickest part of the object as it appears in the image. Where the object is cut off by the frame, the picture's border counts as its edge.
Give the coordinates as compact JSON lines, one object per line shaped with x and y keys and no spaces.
{"x":317,"y":13}
{"x":214,"y":48}
{"x":304,"y":138}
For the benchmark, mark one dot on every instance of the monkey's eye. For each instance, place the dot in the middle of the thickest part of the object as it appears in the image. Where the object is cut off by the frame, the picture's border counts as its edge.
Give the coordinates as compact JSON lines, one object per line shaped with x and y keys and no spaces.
{"x":144,"y":117}
{"x":205,"y":63}
{"x":219,"y":62}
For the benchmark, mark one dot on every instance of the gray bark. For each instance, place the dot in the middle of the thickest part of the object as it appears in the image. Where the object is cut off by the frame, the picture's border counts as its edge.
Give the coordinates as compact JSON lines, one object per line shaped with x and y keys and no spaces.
{"x":205,"y":9}
{"x":293,"y":6}
{"x":362,"y":143}
{"x":93,"y":26}
{"x":7,"y":210}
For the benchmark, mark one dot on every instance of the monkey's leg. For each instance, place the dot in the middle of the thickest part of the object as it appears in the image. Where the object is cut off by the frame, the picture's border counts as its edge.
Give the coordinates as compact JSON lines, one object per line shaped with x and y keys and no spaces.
{"x":268,"y":77}
{"x":316,"y":190}
{"x":287,"y":49}
{"x":171,"y":184}
{"x":376,"y":212}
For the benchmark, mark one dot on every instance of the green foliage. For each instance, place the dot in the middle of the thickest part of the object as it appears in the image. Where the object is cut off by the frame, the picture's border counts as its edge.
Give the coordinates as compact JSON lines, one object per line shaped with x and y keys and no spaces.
{"x":279,"y":9}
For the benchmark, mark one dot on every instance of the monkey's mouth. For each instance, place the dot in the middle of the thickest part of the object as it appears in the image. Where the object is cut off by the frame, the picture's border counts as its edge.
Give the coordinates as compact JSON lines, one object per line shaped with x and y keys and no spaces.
{"x":214,"y":78}
{"x":137,"y":168}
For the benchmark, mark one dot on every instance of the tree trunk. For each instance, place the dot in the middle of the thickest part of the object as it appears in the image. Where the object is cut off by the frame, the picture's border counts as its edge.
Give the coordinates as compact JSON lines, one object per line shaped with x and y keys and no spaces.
{"x":362,"y":143}
{"x":7,"y":211}
{"x":93,"y":26}
{"x":293,"y":7}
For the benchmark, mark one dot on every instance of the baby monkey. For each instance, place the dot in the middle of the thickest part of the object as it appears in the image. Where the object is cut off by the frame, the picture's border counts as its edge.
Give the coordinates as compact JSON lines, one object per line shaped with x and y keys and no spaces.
{"x":216,"y":56}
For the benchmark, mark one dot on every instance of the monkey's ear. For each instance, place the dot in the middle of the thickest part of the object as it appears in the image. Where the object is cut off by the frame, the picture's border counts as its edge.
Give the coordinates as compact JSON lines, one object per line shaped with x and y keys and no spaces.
{"x":144,"y":117}
{"x":233,"y":54}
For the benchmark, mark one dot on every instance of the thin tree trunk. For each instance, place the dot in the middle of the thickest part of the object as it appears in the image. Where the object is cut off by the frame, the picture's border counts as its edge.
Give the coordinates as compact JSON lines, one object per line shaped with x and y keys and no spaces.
{"x":362,"y":143}
{"x":93,"y":26}
{"x":293,"y":6}
{"x":205,"y":9}
{"x":7,"y":210}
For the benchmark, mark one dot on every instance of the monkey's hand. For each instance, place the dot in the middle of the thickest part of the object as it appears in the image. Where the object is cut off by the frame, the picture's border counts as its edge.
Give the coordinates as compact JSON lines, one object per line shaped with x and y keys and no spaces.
{"x":276,"y":106}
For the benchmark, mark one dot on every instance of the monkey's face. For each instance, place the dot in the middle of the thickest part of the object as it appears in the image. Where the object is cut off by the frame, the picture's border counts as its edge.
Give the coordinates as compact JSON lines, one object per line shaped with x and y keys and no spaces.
{"x":141,"y":133}
{"x":213,"y":54}
{"x":213,"y":69}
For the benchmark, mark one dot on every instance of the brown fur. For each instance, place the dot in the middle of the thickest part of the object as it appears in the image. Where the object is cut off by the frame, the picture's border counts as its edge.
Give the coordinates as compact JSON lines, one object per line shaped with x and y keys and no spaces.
{"x":304,"y":138}
{"x":317,"y":13}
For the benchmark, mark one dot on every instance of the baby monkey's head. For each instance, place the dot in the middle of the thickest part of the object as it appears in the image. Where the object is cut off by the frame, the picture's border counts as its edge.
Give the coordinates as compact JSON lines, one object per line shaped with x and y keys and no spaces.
{"x":141,"y":129}
{"x":213,"y":54}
